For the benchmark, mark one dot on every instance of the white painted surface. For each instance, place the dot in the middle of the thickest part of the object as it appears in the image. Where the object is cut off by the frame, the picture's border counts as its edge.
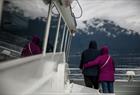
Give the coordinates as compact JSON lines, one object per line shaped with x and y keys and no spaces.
{"x":24,"y":79}
{"x":65,"y":11}
{"x":27,"y":75}
{"x":83,"y":90}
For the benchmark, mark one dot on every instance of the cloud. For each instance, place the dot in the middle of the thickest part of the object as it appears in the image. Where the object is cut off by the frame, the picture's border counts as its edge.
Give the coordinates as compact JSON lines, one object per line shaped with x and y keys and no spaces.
{"x":126,"y":13}
{"x":31,"y":8}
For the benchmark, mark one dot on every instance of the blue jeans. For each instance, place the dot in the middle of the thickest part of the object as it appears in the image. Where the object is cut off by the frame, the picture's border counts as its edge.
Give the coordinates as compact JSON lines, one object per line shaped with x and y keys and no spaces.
{"x":107,"y":87}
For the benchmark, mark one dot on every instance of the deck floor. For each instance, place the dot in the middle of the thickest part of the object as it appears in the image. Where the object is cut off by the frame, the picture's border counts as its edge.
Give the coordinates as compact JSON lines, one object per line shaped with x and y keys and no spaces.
{"x":121,"y":88}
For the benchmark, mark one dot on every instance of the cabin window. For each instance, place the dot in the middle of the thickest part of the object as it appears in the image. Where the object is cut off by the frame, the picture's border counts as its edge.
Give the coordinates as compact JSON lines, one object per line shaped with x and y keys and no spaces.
{"x":19,"y":23}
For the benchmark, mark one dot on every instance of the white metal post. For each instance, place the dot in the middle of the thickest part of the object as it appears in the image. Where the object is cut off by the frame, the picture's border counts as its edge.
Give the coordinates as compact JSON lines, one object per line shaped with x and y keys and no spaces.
{"x":57,"y":34}
{"x":1,"y":7}
{"x":69,"y":36}
{"x":69,"y":45}
{"x":62,"y":42}
{"x":47,"y":30}
{"x":66,"y":39}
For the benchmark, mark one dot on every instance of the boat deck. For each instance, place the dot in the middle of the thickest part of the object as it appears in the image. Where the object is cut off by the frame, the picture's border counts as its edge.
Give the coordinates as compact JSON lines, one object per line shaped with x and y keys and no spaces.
{"x":122,"y":86}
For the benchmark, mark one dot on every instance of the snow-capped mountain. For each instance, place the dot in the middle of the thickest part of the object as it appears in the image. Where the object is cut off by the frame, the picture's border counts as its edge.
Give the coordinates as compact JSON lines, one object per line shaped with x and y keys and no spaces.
{"x":99,"y":25}
{"x":106,"y":32}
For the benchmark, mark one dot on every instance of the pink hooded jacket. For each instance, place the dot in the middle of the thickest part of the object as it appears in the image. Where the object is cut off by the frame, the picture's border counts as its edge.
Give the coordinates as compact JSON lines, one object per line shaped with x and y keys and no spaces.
{"x":106,"y":72}
{"x":32,"y":48}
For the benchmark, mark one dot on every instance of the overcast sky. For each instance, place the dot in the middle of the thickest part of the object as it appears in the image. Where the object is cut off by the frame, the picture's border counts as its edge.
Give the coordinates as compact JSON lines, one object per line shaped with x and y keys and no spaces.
{"x":31,"y":8}
{"x":126,"y":13}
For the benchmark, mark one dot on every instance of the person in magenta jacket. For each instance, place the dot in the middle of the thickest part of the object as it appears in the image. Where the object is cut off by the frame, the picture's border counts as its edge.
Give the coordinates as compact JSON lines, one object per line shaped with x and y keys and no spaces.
{"x":107,"y":70}
{"x":32,"y":48}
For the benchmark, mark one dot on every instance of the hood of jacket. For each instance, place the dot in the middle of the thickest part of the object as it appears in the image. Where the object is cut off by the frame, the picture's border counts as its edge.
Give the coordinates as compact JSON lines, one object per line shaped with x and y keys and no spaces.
{"x":36,"y":40}
{"x":104,"y":50}
{"x":93,"y":45}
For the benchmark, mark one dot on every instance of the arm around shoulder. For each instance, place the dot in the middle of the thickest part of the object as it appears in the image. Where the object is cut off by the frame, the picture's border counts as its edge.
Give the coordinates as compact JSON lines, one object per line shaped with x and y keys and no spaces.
{"x":92,"y":63}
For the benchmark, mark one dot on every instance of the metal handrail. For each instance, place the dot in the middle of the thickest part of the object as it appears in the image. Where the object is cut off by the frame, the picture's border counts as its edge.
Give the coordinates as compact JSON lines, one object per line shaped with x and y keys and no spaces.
{"x":10,"y":50}
{"x":137,"y":75}
{"x":25,"y":60}
{"x":126,"y":69}
{"x":121,"y":69}
{"x":117,"y":75}
{"x":117,"y":80}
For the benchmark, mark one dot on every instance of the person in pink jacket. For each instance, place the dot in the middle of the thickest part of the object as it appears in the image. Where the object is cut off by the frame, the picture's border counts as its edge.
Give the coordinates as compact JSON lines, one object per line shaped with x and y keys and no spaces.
{"x":32,"y":48}
{"x":107,"y":70}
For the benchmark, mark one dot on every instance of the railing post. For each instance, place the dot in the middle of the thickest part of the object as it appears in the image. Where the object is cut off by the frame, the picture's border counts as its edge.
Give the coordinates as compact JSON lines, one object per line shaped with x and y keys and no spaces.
{"x":57,"y":34}
{"x":66,"y":39}
{"x":69,"y":45}
{"x":47,"y":30}
{"x":62,"y":42}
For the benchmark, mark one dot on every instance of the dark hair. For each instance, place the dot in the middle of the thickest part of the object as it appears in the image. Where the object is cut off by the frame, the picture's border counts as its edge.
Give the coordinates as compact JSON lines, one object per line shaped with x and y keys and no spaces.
{"x":93,"y":45}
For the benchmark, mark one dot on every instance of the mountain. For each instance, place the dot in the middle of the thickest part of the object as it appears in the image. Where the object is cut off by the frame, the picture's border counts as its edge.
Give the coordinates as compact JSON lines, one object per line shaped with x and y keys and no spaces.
{"x":124,"y":44}
{"x":106,"y":32}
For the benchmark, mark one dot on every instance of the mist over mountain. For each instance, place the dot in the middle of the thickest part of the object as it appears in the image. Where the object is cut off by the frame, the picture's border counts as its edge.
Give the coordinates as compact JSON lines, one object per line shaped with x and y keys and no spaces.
{"x":106,"y":32}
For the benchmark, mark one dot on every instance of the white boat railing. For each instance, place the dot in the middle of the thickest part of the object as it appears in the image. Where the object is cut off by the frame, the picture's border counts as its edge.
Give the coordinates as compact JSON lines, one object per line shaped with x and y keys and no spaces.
{"x":128,"y":73}
{"x":134,"y":69}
